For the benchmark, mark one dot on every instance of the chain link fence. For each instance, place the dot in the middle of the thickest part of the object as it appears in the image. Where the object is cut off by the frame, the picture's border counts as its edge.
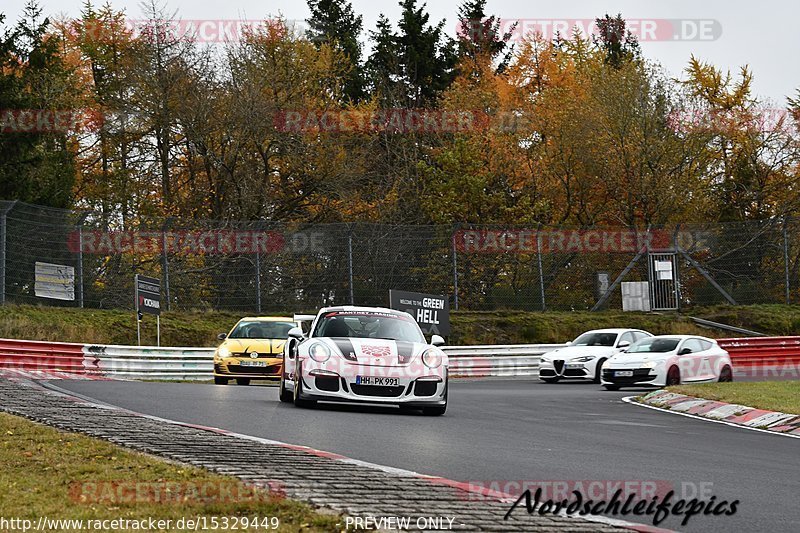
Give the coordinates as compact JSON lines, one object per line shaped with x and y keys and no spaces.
{"x":264,"y":267}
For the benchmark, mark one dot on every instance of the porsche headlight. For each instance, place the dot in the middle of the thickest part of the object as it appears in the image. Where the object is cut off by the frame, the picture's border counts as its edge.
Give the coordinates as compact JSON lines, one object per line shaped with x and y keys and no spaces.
{"x":319,"y":352}
{"x":223,"y":352}
{"x":432,"y":358}
{"x":606,"y":363}
{"x":584,"y":359}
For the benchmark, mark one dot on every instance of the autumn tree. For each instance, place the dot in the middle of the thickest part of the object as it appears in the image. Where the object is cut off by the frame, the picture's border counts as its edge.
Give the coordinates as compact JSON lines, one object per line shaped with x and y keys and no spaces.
{"x":36,"y":164}
{"x":753,"y":151}
{"x":108,"y":179}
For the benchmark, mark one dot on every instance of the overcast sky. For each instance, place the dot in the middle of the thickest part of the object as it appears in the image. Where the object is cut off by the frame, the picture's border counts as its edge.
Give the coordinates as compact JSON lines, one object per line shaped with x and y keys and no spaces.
{"x":763,"y":34}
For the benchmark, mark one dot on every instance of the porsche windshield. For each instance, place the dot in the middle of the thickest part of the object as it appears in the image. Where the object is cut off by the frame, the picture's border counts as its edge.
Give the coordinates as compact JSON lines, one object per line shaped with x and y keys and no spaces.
{"x":369,"y":326}
{"x":261,"y":330}
{"x":596,"y":339}
{"x":654,"y":346}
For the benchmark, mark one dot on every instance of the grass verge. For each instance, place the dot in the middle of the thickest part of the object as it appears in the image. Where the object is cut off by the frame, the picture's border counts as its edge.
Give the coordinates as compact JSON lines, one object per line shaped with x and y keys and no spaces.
{"x":49,"y":473}
{"x":783,"y":396}
{"x":198,"y":328}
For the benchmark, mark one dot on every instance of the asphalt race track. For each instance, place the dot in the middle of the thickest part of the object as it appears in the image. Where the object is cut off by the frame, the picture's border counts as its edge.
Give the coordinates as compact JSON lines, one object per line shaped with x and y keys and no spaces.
{"x":512,"y":430}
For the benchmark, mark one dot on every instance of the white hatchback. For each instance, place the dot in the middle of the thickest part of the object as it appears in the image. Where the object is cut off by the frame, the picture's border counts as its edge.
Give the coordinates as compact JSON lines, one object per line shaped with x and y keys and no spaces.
{"x":667,"y":360}
{"x":583,"y":357}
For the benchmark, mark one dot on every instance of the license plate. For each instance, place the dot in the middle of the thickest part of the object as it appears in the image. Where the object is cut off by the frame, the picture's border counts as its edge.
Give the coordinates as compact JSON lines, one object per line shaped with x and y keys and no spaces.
{"x":253,"y":363}
{"x":369,"y":380}
{"x":574,"y":365}
{"x":624,"y":373}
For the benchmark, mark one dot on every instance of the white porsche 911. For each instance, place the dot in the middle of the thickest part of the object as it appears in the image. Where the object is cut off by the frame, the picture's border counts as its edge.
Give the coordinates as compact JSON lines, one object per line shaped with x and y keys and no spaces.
{"x":583,"y":357}
{"x":367,"y":355}
{"x":668,"y":360}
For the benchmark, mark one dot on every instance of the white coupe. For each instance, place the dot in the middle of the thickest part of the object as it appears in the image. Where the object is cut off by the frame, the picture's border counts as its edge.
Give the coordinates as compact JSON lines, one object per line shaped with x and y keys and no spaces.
{"x":583,"y":357}
{"x":366,"y":355}
{"x":668,"y":360}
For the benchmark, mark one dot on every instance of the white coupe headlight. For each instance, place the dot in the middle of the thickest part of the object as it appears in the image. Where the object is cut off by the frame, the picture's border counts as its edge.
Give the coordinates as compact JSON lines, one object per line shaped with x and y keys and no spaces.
{"x":584,"y":359}
{"x":432,"y":358}
{"x":606,"y":363}
{"x":651,"y":364}
{"x":319,"y":352}
{"x":223,"y":352}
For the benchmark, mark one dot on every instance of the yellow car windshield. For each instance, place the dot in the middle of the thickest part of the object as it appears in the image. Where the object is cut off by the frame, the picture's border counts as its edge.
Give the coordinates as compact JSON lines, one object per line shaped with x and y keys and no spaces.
{"x":261,"y":330}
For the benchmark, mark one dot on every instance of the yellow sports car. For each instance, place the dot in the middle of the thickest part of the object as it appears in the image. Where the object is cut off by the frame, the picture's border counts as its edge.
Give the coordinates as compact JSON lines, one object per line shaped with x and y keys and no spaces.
{"x":252,"y":350}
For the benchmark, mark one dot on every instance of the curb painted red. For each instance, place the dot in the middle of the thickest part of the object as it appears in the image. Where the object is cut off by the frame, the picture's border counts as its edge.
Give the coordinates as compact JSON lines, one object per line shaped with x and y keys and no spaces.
{"x":734,"y":414}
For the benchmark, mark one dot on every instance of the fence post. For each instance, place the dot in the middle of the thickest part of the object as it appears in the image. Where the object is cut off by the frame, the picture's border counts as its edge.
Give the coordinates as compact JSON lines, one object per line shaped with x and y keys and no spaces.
{"x":3,"y":229}
{"x":258,"y":281}
{"x":539,"y":262}
{"x":165,"y":260}
{"x":80,"y":258}
{"x":350,"y":261}
{"x":786,"y":259}
{"x":455,"y":268}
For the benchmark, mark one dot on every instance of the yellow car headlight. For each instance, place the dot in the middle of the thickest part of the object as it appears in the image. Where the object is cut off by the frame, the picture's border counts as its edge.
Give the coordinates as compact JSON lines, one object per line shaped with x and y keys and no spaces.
{"x":223,"y":352}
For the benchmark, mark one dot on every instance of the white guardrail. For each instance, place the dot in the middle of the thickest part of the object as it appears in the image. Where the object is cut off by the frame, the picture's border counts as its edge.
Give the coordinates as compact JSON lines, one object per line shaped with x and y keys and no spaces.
{"x":179,"y":364}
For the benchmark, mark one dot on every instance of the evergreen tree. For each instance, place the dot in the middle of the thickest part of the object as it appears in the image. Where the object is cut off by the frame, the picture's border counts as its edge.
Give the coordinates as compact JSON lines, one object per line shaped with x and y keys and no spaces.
{"x":413,"y":66}
{"x":333,"y":22}
{"x":619,"y":45}
{"x":383,"y":65}
{"x":427,"y":55}
{"x":479,"y":35}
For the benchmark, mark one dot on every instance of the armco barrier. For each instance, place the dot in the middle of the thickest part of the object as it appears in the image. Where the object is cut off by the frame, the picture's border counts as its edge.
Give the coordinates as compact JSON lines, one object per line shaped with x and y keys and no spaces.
{"x":42,"y":356}
{"x":148,"y":362}
{"x":763,"y":351}
{"x":133,"y":362}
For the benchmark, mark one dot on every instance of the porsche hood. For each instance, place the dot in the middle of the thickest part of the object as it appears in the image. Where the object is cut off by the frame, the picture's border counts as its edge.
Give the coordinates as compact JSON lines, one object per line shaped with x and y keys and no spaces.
{"x":375,"y":352}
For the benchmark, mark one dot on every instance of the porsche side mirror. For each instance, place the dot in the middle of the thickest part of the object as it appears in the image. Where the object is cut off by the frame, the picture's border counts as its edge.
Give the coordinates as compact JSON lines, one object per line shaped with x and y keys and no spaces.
{"x":222,"y":336}
{"x":685,"y":351}
{"x":437,"y":340}
{"x":296,"y":333}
